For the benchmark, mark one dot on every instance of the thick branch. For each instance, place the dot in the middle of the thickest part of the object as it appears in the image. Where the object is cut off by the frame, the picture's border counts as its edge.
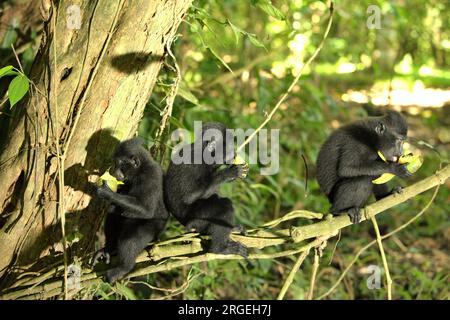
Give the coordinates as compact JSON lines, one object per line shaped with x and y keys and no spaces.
{"x":331,"y":226}
{"x":175,"y":251}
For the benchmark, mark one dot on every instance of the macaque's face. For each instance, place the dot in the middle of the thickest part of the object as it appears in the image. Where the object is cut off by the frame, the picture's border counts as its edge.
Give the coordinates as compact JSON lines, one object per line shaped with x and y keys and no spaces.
{"x":391,"y":136}
{"x":125,"y":167}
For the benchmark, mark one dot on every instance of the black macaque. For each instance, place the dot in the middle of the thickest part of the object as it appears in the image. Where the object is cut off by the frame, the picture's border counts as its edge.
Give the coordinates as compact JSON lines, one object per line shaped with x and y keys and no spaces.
{"x":190,"y":189}
{"x":137,"y":214}
{"x":348,"y":161}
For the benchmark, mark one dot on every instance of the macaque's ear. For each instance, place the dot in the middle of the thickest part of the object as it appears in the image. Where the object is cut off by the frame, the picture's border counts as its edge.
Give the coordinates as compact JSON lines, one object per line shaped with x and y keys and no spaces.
{"x":135,"y":161}
{"x":380,"y":128}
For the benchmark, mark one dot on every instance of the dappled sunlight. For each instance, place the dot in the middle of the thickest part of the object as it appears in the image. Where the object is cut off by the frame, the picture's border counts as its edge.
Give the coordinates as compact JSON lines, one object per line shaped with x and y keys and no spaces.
{"x":400,"y":95}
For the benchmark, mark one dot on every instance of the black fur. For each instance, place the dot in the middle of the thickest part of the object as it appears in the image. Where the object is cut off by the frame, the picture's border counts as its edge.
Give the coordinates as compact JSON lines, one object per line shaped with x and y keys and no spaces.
{"x":348,"y":161}
{"x":190,"y":192}
{"x":137,"y":214}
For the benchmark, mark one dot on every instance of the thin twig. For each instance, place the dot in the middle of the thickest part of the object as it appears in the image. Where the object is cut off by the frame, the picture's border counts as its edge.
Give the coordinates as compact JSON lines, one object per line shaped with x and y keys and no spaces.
{"x":170,"y":98}
{"x":294,"y":82}
{"x":59,"y":155}
{"x":291,"y":276}
{"x":313,"y":275}
{"x":383,"y":257}
{"x":335,"y":247}
{"x":17,"y":57}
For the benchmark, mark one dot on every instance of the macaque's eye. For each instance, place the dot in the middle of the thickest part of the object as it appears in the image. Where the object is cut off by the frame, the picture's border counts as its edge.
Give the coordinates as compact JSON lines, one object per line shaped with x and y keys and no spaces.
{"x":134,"y":161}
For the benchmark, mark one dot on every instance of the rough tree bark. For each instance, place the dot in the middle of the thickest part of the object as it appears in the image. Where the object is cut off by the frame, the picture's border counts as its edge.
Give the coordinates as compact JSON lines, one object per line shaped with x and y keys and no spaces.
{"x":105,"y":73}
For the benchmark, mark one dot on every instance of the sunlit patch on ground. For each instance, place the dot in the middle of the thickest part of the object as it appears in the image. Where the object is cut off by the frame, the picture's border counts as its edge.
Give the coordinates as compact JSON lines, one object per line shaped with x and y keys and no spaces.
{"x":400,"y":95}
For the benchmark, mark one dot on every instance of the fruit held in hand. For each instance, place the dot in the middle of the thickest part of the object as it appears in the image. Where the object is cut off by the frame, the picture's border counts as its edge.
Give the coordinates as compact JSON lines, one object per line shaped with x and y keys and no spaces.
{"x":110,"y":180}
{"x":413,"y":161}
{"x":381,"y":156}
{"x":385,"y":177}
{"x":238,"y":160}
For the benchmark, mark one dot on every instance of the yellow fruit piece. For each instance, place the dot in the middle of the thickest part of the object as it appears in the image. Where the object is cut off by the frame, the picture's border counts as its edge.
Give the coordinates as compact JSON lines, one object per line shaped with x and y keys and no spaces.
{"x":238,"y":160}
{"x":381,"y":156}
{"x":110,"y":180}
{"x":385,"y":177}
{"x":406,"y":158}
{"x":414,"y":162}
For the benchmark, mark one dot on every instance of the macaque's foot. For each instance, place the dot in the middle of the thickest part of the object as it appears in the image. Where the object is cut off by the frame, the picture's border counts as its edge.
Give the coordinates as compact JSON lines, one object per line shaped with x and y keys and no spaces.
{"x":397,"y":190}
{"x":232,"y":247}
{"x":114,"y":274}
{"x":355,"y":215}
{"x":191,"y":226}
{"x":240,"y":229}
{"x":236,"y":248}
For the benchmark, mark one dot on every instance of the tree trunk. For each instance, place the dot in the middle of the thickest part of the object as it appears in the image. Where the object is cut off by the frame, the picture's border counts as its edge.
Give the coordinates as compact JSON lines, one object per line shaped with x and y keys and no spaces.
{"x":105,"y":72}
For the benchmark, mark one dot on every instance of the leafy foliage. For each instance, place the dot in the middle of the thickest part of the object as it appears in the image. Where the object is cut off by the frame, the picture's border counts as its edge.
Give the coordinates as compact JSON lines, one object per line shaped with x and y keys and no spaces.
{"x":19,"y":85}
{"x":17,"y":89}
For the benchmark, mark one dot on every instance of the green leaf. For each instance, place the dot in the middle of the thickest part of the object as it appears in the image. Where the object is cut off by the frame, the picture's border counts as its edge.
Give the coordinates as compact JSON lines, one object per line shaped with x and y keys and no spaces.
{"x":255,"y":41}
{"x":103,"y":294}
{"x":270,"y":9}
{"x":204,"y":40}
{"x":74,"y":237}
{"x":126,"y":292}
{"x":216,"y":55}
{"x":237,"y":31}
{"x":186,"y":94}
{"x":7,"y":71}
{"x":214,"y":35}
{"x":10,"y":37}
{"x":17,"y":89}
{"x":207,"y":280}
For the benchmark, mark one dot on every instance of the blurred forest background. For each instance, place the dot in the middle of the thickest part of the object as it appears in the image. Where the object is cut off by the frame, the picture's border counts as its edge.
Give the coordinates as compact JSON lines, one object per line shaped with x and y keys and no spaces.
{"x":236,"y":59}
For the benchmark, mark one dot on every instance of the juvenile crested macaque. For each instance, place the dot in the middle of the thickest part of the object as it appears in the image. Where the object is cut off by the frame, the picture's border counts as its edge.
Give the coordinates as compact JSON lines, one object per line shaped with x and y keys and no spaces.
{"x":137,"y":214}
{"x":348,"y":161}
{"x":191,"y":189}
